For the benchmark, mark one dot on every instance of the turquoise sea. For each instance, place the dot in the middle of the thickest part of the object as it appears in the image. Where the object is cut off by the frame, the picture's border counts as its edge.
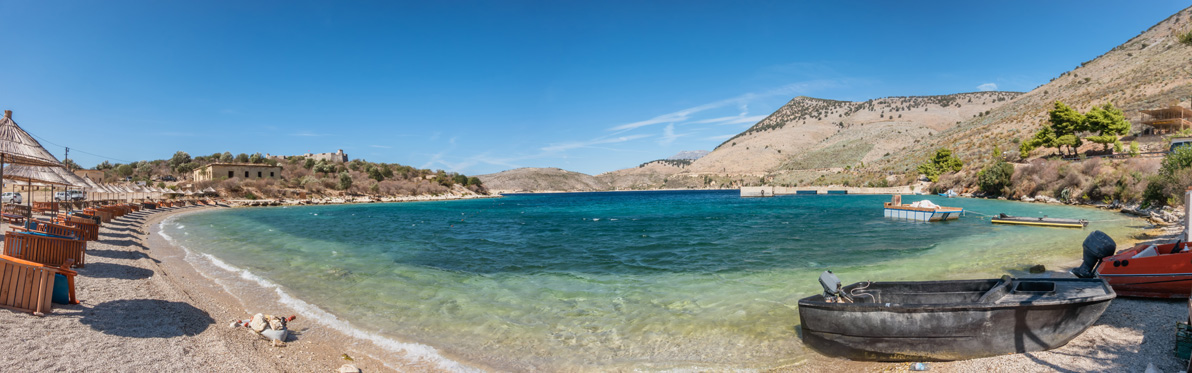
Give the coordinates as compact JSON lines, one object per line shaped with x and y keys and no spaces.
{"x":600,"y":281}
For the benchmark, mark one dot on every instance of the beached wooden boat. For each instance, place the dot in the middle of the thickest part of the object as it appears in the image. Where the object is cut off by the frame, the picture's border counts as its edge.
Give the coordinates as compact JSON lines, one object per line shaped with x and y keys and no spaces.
{"x":1039,"y":221}
{"x":920,"y":211}
{"x":951,"y":320}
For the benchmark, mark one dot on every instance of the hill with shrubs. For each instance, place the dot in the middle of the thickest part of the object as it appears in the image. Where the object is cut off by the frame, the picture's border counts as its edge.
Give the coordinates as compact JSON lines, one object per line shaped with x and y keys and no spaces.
{"x":300,"y":178}
{"x":999,"y":139}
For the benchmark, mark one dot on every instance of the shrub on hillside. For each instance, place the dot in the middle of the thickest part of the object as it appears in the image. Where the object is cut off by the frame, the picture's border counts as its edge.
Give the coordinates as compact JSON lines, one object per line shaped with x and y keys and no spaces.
{"x":995,"y":178}
{"x":942,"y":162}
{"x":956,"y":181}
{"x":1175,"y":174}
{"x":345,"y":181}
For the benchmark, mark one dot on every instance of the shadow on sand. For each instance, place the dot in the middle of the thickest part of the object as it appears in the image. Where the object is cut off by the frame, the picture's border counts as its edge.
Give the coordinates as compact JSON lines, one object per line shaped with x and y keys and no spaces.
{"x":146,"y":318}
{"x":116,"y":271}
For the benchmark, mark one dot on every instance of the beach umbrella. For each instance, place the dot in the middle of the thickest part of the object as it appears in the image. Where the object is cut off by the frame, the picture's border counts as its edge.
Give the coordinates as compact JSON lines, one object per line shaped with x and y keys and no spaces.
{"x":92,"y":187}
{"x":17,"y":147}
{"x":41,"y":175}
{"x":74,"y":180}
{"x":109,"y":190}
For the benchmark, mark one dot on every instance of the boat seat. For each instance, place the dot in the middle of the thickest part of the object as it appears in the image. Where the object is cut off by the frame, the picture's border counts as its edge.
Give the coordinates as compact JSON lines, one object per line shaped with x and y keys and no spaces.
{"x":1148,"y":252}
{"x":998,"y":291}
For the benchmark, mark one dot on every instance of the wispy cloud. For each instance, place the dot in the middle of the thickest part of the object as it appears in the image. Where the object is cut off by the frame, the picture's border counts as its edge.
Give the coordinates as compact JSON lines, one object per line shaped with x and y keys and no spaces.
{"x":749,"y":120}
{"x":987,"y":87}
{"x":668,"y":135}
{"x":720,"y":137}
{"x":590,"y":143}
{"x":742,"y":102}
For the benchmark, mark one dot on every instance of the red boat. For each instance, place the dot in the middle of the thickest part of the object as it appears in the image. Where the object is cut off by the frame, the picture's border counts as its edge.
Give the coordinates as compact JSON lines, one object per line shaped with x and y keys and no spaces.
{"x":1146,"y":270}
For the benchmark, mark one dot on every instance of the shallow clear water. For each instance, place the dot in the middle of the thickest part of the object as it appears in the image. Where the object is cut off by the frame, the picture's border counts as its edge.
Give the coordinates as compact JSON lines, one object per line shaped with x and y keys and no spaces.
{"x":595,"y":281}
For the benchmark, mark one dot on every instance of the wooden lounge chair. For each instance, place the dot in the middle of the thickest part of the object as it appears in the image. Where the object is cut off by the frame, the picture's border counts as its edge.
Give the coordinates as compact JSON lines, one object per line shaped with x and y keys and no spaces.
{"x":45,"y":207}
{"x":104,"y":215}
{"x":89,"y":227}
{"x":29,"y":286}
{"x":53,"y":229}
{"x":45,"y":249}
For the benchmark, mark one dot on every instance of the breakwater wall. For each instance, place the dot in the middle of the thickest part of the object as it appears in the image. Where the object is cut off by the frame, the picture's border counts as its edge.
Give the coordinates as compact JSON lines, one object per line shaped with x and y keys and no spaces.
{"x":770,"y":191}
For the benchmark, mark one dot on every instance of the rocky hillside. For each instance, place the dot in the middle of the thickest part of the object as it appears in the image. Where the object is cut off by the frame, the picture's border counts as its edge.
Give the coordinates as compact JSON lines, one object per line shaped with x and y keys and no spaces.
{"x":814,"y":134}
{"x":541,"y":180}
{"x":1151,"y":70}
{"x":880,"y":141}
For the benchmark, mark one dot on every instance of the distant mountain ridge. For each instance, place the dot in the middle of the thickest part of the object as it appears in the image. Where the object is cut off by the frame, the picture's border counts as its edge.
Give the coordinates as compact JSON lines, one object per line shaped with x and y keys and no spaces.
{"x":689,"y":154}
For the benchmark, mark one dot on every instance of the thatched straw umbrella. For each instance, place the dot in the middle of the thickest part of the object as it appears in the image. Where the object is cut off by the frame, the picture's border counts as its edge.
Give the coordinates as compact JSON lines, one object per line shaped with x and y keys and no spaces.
{"x":19,"y":148}
{"x":36,"y":174}
{"x":74,"y":180}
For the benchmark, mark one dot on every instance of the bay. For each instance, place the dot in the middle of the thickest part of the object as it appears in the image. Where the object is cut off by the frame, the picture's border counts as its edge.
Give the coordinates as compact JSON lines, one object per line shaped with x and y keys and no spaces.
{"x":599,"y":281}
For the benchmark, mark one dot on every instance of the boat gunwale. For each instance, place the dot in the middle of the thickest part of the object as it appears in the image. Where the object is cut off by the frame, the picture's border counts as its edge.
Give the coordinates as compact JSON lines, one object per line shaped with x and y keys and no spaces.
{"x":904,"y":207}
{"x":1109,"y":294}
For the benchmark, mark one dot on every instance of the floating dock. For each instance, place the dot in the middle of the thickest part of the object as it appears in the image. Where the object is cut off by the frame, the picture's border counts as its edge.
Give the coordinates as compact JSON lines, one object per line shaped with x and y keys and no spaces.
{"x":1039,"y":222}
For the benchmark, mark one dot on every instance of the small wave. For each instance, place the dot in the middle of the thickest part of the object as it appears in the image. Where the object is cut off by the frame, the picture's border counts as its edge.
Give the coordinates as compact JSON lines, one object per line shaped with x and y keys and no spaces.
{"x":416,"y":352}
{"x":161,"y":229}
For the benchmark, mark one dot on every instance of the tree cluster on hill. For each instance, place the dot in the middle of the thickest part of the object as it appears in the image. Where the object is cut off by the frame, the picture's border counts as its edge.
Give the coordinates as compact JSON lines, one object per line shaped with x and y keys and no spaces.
{"x":942,"y":162}
{"x":298,"y":175}
{"x":669,"y":162}
{"x":1065,"y":126}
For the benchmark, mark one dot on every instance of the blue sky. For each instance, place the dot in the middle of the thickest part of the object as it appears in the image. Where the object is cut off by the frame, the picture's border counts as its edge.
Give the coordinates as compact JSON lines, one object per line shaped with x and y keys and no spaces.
{"x":483,"y":86}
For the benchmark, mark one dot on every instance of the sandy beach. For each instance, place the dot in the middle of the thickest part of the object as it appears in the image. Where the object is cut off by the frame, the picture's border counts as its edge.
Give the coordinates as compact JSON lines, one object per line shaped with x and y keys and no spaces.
{"x":144,"y":308}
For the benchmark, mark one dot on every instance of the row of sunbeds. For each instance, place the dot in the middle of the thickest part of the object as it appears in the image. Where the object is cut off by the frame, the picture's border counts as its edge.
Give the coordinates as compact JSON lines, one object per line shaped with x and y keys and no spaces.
{"x":38,"y":251}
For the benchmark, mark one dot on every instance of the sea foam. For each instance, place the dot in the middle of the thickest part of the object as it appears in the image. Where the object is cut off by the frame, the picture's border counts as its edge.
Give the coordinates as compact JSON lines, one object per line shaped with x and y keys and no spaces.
{"x":414,"y":352}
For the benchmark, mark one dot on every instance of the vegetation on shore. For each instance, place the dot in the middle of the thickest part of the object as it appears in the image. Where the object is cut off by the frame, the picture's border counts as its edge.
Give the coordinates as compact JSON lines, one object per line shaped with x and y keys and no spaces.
{"x":299,"y":176}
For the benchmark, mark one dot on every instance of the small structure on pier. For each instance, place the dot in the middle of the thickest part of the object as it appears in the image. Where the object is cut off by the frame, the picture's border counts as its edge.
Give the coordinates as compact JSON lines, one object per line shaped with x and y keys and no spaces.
{"x":1168,"y":120}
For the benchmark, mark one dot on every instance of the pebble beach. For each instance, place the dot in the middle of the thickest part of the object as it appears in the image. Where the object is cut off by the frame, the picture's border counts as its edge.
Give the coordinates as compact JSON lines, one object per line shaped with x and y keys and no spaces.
{"x":141,"y":309}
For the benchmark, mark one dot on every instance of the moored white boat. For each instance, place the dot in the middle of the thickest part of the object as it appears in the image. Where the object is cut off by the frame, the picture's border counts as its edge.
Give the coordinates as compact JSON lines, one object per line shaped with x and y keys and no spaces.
{"x":920,"y":211}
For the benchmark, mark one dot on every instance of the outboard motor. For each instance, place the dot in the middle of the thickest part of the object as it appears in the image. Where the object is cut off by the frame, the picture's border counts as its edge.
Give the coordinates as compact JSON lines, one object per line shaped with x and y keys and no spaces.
{"x":1097,"y":245}
{"x":833,"y":290}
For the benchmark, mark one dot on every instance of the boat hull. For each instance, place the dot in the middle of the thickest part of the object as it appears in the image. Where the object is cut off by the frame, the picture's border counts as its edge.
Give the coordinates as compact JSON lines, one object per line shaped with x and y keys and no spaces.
{"x":1165,"y":275}
{"x":952,"y":331}
{"x":922,"y":214}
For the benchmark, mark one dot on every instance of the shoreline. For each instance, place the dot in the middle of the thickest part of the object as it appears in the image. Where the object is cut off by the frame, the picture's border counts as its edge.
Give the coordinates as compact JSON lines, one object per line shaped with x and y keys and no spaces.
{"x":265,"y":202}
{"x":320,"y":336}
{"x":145,"y":305}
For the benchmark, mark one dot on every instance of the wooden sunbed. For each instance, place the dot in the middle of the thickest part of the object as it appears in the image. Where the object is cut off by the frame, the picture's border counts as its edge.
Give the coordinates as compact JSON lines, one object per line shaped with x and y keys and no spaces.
{"x":45,"y":207}
{"x":104,"y":215}
{"x":52,"y":228}
{"x":89,"y":227}
{"x":28,"y":286}
{"x":21,"y":210}
{"x":44,"y":249}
